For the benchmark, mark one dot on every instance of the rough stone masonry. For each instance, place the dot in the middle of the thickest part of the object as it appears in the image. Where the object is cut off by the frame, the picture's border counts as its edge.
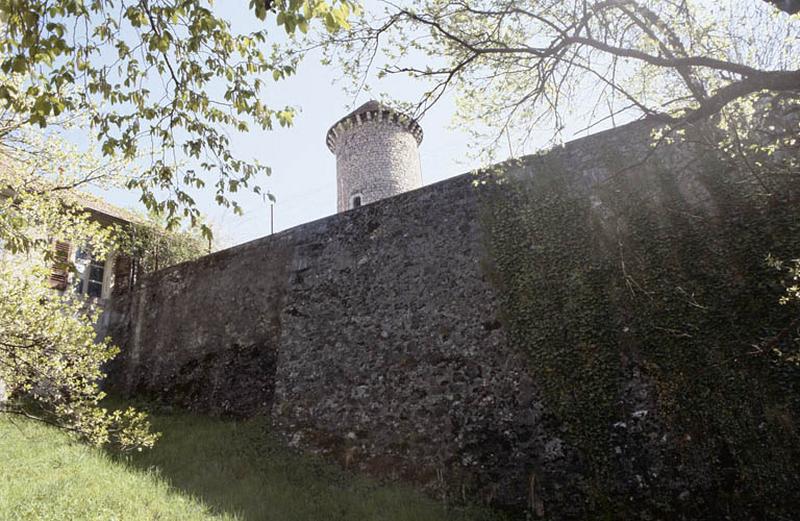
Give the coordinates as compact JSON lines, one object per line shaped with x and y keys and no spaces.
{"x":376,"y":155}
{"x":373,"y":336}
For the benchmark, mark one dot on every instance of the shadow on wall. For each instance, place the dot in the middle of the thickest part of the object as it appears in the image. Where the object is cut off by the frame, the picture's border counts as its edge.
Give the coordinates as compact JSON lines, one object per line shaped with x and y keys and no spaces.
{"x":643,"y":310}
{"x":238,"y":468}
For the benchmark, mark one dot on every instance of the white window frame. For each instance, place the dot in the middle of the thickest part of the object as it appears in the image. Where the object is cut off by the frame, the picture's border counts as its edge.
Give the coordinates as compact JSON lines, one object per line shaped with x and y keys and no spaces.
{"x":353,"y":200}
{"x":82,"y":277}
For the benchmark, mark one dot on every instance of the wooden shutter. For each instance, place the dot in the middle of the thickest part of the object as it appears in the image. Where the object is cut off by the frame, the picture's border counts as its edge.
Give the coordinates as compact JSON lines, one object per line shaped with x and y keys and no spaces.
{"x":59,"y":273}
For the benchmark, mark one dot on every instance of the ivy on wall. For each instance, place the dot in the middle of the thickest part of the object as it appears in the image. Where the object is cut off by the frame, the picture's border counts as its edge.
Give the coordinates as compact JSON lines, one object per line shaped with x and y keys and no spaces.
{"x":641,"y":304}
{"x":153,"y":247}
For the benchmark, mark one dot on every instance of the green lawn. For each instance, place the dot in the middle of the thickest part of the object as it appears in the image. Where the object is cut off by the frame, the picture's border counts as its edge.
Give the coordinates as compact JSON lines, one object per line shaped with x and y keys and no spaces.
{"x":201,"y":469}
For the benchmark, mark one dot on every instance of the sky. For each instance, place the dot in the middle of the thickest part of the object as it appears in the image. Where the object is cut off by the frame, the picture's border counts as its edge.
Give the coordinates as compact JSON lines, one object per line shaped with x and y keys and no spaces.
{"x":303,"y":176}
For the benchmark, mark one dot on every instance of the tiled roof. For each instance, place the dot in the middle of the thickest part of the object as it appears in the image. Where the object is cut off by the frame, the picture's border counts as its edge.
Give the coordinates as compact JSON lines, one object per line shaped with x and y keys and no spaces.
{"x":98,"y":205}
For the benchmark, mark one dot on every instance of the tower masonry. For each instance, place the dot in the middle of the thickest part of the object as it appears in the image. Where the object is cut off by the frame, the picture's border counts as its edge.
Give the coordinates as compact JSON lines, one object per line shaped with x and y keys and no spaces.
{"x":377,"y":155}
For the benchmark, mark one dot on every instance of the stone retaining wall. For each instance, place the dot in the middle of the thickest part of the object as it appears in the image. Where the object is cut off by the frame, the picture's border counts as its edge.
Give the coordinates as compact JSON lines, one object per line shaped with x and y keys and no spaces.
{"x":374,"y":336}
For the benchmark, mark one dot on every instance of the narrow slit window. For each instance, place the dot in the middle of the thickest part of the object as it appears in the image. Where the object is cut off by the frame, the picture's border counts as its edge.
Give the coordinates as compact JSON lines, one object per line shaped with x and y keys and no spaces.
{"x":355,"y":202}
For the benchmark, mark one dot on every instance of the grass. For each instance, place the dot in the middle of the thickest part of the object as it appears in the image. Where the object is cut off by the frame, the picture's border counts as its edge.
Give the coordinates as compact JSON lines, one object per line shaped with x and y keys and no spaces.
{"x":201,"y":469}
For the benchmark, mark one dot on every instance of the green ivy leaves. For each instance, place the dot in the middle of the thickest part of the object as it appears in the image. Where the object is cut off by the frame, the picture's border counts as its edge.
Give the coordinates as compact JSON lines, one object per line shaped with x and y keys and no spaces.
{"x":641,"y":279}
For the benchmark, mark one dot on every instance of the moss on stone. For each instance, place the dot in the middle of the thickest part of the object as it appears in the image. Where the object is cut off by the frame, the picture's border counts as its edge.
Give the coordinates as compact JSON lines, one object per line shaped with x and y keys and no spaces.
{"x":638,"y":303}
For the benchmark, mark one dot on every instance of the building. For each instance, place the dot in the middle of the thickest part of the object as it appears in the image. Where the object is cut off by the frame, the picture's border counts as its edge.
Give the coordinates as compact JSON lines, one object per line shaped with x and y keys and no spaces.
{"x":377,"y":155}
{"x":93,"y":276}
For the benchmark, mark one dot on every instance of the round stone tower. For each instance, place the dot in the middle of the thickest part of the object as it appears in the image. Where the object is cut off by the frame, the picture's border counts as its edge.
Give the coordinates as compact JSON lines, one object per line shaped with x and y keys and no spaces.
{"x":377,"y":155}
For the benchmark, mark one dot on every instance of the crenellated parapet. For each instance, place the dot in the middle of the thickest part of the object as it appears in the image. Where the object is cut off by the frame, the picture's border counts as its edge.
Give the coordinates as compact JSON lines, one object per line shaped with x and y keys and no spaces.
{"x":377,"y":155}
{"x":372,"y":111}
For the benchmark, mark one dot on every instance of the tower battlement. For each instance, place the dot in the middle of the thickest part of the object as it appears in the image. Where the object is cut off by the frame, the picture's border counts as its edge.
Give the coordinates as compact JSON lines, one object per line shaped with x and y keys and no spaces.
{"x":377,"y":155}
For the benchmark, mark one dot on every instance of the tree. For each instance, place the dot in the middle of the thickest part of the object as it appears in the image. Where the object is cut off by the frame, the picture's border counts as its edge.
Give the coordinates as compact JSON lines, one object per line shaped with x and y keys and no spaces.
{"x":725,"y":75}
{"x":50,"y":363}
{"x":722,"y":74}
{"x":167,"y":74}
{"x":786,"y":343}
{"x":163,"y":79}
{"x":520,"y":66}
{"x":50,"y":360}
{"x":152,"y":247}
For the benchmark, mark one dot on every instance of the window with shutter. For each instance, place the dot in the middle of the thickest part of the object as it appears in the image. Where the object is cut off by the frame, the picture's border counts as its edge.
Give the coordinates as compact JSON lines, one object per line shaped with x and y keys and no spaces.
{"x":90,"y":273}
{"x":59,"y":272}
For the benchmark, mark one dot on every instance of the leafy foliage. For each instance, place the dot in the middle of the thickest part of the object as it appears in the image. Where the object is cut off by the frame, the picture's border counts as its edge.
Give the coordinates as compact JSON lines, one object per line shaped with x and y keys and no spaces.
{"x":521,"y":69}
{"x":38,"y":203}
{"x":168,"y":74}
{"x":153,"y":247}
{"x":51,"y":364}
{"x":143,"y":73}
{"x":786,"y":343}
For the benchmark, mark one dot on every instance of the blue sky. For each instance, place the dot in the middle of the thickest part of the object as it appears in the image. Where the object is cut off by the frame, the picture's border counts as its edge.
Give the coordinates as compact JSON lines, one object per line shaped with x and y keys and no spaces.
{"x":303,"y":170}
